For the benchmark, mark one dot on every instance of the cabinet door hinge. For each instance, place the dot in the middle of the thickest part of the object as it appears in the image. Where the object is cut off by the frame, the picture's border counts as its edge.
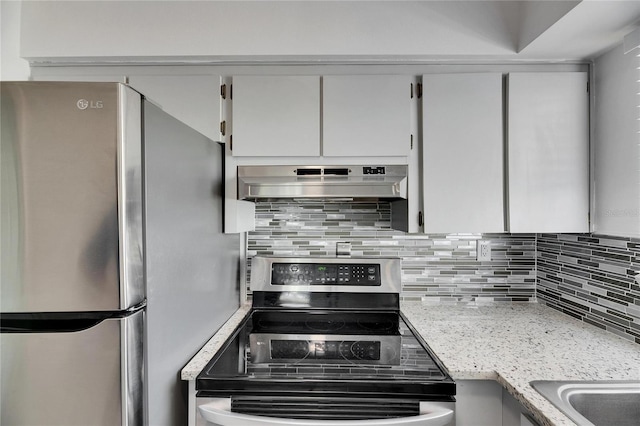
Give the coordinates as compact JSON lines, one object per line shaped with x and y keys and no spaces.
{"x":411,"y":141}
{"x":231,"y":91}
{"x":419,"y":90}
{"x":223,"y":91}
{"x":223,"y":127}
{"x":587,"y":87}
{"x":411,"y":90}
{"x":230,"y":142}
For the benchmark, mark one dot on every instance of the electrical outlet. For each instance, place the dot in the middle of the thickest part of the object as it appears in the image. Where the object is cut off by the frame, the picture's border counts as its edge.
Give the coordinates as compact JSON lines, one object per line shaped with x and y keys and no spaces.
{"x":483,"y":250}
{"x":343,"y":249}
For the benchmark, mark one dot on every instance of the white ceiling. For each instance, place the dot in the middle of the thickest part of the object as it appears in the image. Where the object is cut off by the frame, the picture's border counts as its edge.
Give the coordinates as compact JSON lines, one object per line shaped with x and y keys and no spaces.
{"x":549,"y":29}
{"x":365,"y":30}
{"x":587,"y":30}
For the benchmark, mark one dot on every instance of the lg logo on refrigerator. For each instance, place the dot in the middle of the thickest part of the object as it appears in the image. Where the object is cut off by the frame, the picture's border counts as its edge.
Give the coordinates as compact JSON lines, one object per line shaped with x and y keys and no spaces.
{"x":84,"y":104}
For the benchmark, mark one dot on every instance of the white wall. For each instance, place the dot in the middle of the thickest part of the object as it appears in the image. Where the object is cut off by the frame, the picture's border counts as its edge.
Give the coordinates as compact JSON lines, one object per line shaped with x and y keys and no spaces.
{"x":12,"y":67}
{"x":617,"y":143}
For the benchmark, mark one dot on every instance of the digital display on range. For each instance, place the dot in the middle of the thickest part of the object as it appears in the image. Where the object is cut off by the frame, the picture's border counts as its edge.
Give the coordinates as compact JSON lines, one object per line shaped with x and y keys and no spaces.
{"x":325,"y":274}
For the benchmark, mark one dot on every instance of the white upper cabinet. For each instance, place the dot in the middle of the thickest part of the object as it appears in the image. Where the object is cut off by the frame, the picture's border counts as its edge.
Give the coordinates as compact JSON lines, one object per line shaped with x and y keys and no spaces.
{"x":193,"y":99}
{"x":360,"y":115}
{"x":548,"y":146}
{"x":276,"y":116}
{"x":616,"y":145}
{"x":463,"y":182}
{"x":366,"y":115}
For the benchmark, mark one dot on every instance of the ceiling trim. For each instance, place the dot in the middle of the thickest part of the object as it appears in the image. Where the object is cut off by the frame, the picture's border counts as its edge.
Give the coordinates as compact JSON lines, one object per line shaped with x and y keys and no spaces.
{"x":632,"y":41}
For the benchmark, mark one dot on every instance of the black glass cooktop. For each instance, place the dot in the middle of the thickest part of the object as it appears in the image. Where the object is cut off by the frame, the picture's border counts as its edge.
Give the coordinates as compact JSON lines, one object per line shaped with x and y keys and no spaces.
{"x":363,"y":323}
{"x":325,"y":353}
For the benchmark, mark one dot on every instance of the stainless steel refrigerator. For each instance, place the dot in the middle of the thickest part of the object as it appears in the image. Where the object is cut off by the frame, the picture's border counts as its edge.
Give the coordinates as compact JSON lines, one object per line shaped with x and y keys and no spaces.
{"x":115,"y":270}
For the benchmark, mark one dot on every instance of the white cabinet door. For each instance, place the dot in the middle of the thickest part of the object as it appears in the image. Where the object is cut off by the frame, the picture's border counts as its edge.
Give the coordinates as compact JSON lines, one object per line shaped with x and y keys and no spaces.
{"x":463,"y":153}
{"x":366,"y":115}
{"x":548,"y":146}
{"x":276,"y":116}
{"x":193,"y":99}
{"x":478,"y":403}
{"x":616,"y":147}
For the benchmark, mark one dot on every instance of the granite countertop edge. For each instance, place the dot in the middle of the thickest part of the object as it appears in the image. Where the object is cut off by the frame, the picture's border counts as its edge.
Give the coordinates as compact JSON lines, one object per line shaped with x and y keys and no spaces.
{"x":511,"y":343}
{"x":516,"y":343}
{"x":204,"y":355}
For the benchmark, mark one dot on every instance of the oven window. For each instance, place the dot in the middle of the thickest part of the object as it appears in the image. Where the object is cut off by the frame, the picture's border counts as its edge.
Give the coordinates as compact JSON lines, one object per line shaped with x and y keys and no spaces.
{"x":325,"y":350}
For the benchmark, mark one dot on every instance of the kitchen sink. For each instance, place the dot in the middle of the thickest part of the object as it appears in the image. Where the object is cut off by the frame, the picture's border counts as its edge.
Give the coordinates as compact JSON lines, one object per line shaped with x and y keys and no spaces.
{"x":599,"y":403}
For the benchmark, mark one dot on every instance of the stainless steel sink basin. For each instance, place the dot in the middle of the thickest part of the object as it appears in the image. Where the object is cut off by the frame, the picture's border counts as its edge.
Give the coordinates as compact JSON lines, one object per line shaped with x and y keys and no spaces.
{"x":599,"y":403}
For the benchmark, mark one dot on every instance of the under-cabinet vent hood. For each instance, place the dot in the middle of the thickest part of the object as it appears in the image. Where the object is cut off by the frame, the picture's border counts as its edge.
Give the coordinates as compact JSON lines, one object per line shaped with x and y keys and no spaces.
{"x":329,"y":184}
{"x":322,"y":182}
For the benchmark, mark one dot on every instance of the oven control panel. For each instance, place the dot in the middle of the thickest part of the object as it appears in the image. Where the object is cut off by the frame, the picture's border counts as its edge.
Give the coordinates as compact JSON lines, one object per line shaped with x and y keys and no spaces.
{"x":367,"y":274}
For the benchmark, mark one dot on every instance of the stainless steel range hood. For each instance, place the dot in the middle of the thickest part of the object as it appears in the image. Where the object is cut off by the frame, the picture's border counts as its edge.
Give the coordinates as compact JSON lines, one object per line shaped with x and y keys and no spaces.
{"x":322,"y":182}
{"x":329,"y":184}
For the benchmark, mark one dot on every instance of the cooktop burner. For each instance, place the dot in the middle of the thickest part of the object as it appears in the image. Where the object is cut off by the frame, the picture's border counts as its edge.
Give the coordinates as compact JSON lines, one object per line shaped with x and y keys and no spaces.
{"x":328,"y":325}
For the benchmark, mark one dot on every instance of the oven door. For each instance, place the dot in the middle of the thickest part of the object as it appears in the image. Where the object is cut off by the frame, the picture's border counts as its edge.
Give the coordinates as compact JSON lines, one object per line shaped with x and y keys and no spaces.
{"x":217,"y":411}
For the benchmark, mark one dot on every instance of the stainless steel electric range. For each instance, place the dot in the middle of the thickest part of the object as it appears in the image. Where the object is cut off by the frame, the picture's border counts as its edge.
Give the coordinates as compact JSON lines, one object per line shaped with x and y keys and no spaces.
{"x":325,"y":343}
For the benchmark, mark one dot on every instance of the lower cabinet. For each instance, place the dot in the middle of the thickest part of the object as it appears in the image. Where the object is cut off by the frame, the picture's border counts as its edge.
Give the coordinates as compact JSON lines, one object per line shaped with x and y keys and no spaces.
{"x":478,"y":403}
{"x":514,"y":413}
{"x":486,"y":403}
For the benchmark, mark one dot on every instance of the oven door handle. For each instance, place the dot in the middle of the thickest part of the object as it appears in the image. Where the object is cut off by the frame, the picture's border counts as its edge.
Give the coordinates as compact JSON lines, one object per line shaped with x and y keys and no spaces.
{"x":218,"y":411}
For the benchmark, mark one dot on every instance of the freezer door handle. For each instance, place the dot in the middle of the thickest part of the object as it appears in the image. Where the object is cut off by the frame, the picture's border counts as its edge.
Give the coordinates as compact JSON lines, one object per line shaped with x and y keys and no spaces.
{"x":47,"y":326}
{"x":59,"y":322}
{"x":218,"y":412}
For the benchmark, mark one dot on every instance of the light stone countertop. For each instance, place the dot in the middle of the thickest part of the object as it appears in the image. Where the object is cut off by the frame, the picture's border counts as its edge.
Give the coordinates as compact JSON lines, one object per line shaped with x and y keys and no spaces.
{"x":202,"y":358}
{"x":518,"y":343}
{"x":511,"y":343}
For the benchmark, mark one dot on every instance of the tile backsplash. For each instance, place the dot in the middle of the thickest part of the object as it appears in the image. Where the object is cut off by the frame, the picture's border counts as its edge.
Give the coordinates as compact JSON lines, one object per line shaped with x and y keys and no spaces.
{"x":434,"y":267}
{"x":592,"y":278}
{"x":589,"y":277}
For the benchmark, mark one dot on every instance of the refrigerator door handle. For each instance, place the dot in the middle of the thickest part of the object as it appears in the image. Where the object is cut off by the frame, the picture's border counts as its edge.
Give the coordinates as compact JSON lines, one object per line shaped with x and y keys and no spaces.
{"x":59,"y":322}
{"x":47,"y":326}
